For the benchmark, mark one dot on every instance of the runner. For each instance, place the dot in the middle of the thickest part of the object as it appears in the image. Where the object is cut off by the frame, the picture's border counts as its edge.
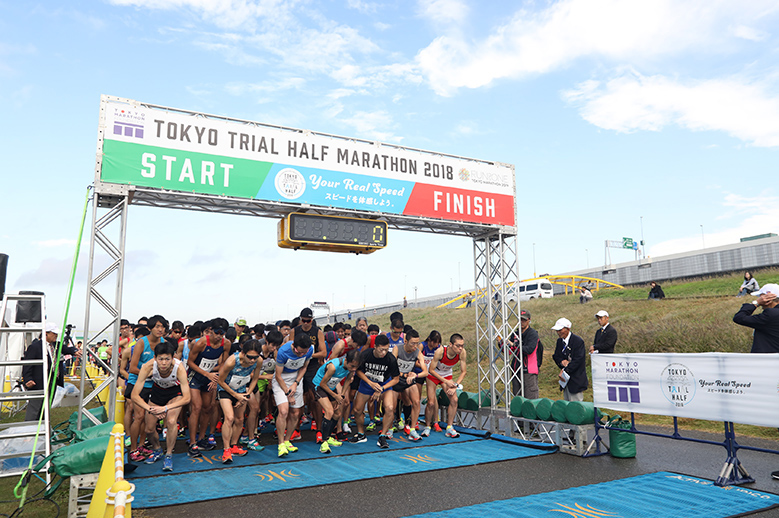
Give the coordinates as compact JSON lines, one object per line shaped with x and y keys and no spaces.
{"x":291,"y":363}
{"x":205,"y":358}
{"x":378,"y":373}
{"x":429,"y":347}
{"x":308,"y":326}
{"x":441,"y":373}
{"x":142,"y":352}
{"x":236,"y":373}
{"x":331,"y":393}
{"x":356,"y":341}
{"x":409,"y":356}
{"x":395,"y":335}
{"x":169,"y":392}
{"x":261,"y":397}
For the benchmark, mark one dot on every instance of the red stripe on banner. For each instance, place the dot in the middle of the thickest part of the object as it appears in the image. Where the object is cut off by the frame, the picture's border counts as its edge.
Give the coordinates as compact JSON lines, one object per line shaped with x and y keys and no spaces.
{"x":460,"y":205}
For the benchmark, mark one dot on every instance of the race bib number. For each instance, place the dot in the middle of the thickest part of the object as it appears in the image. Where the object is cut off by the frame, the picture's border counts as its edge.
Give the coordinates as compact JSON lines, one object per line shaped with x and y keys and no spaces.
{"x":406,"y":365}
{"x":207,"y":364}
{"x":333,"y":383}
{"x":237,"y":382}
{"x":296,"y":364}
{"x":268,"y":365}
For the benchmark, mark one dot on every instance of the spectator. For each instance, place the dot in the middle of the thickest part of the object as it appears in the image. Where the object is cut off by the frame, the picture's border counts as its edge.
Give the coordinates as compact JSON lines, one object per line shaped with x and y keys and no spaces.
{"x":749,"y":285}
{"x":585,"y":296}
{"x":569,"y":355}
{"x":606,"y":336}
{"x":656,"y":292}
{"x":765,"y":324}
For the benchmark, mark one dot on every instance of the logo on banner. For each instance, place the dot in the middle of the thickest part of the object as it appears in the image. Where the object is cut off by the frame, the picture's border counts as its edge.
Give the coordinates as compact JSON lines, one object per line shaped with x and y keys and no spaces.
{"x":290,"y":183}
{"x":128,"y":123}
{"x":678,"y":384}
{"x":623,"y":381}
{"x":465,"y":175}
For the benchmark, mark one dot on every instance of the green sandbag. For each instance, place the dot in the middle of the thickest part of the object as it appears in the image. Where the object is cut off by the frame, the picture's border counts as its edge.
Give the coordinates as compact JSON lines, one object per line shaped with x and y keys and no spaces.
{"x":558,"y":411}
{"x":580,"y":412}
{"x":486,"y":400}
{"x":93,"y":431}
{"x":544,"y":409}
{"x":462,"y":400}
{"x":529,"y":408}
{"x":98,"y":412}
{"x":79,"y":458}
{"x":516,"y":406}
{"x":621,"y":444}
{"x":443,"y":399}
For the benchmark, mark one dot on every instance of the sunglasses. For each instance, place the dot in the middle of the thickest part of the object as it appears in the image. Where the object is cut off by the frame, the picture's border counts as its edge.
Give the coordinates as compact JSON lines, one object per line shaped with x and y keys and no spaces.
{"x":253,"y":357}
{"x":305,"y":320}
{"x":219,"y":331}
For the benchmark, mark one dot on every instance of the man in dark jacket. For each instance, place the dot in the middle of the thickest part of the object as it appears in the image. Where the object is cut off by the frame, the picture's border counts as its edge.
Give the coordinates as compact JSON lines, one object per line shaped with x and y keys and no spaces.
{"x":530,"y":343}
{"x":766,"y":323}
{"x":569,"y":355}
{"x":32,"y":375}
{"x":606,"y":336}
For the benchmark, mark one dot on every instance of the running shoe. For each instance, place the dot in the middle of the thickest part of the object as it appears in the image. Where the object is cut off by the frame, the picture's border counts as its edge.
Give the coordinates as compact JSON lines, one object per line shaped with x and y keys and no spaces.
{"x":333,"y":442}
{"x":390,"y":433}
{"x":255,"y":445}
{"x":324,"y":448}
{"x":451,"y":432}
{"x":227,"y":457}
{"x":425,"y":432}
{"x":401,"y":423}
{"x":137,"y":456}
{"x":219,"y":427}
{"x":378,"y":418}
{"x":775,"y":475}
{"x":304,"y":419}
{"x":347,"y":429}
{"x":350,"y":421}
{"x":127,"y":441}
{"x":437,"y":428}
{"x":194,"y":451}
{"x":407,"y":430}
{"x":212,"y":441}
{"x":144,"y":451}
{"x":295,"y":436}
{"x":382,"y":442}
{"x":358,"y":437}
{"x":282,"y":450}
{"x":290,"y":447}
{"x":237,"y":450}
{"x":268,"y":418}
{"x":319,"y":438}
{"x":182,"y":432}
{"x":313,"y":424}
{"x":204,"y":445}
{"x":155,"y":455}
{"x":244,"y":439}
{"x":371,"y":427}
{"x":342,"y":436}
{"x":167,"y":463}
{"x":414,"y":435}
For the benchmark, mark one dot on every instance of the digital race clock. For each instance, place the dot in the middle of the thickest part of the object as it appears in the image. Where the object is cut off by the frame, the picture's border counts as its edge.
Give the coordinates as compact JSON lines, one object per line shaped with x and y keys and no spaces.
{"x":332,"y":233}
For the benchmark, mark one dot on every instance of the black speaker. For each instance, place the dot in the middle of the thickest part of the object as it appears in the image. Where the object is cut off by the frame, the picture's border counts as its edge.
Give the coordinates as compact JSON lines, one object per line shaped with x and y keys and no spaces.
{"x":28,"y":310}
{"x":3,"y":269}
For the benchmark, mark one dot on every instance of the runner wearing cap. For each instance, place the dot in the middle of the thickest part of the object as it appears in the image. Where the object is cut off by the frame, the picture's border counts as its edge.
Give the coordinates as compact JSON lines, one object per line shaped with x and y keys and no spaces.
{"x":569,"y":355}
{"x":532,"y":356}
{"x":317,"y":337}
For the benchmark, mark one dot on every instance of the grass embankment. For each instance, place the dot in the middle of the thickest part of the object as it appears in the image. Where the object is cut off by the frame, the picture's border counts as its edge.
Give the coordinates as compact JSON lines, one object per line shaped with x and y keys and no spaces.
{"x":696,"y":316}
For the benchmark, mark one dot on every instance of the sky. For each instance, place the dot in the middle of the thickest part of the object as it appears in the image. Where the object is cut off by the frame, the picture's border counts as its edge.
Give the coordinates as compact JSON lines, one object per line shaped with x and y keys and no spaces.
{"x":621,"y":119}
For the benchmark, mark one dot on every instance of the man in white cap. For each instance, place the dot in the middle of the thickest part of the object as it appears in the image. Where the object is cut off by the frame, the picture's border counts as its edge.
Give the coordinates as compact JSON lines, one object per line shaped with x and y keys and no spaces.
{"x":606,"y":336}
{"x":766,"y":323}
{"x":570,"y":356}
{"x":32,"y":375}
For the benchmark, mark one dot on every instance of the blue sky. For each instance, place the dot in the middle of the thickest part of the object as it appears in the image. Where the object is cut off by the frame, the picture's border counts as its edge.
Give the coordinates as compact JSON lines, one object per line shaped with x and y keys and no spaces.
{"x":610,"y":111}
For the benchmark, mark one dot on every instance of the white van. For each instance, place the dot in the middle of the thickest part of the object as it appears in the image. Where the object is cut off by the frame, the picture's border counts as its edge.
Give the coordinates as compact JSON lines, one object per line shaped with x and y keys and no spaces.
{"x":529,"y":290}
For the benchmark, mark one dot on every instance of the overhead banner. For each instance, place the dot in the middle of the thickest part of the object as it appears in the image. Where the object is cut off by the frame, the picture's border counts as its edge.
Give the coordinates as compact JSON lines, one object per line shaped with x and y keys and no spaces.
{"x":184,"y":152}
{"x":739,"y":388}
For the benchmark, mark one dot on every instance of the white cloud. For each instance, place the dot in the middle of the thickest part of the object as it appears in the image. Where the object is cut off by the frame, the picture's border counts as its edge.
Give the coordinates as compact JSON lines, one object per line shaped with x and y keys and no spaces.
{"x":756,"y":215}
{"x":552,"y":38}
{"x":373,"y":126}
{"x":381,"y":26}
{"x":749,"y":33}
{"x":744,"y":109}
{"x":362,"y":6}
{"x":242,"y":14}
{"x":443,"y":12}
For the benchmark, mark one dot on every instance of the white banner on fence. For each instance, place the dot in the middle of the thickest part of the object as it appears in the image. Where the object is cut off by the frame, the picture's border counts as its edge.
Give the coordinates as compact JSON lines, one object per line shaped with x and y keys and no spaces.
{"x":740,"y":388}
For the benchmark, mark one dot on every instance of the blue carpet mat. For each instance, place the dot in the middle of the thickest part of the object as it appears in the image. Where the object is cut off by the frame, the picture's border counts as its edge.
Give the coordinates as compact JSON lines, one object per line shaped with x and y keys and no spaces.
{"x":307,"y":450}
{"x":296,"y":471}
{"x":656,"y":495}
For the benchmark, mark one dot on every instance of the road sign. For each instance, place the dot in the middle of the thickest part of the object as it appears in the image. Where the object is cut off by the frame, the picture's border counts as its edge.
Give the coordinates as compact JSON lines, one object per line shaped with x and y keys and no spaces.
{"x":627,"y":242}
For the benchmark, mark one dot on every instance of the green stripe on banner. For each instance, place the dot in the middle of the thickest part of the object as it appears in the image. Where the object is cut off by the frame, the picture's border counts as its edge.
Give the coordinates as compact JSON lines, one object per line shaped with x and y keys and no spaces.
{"x":186,"y":171}
{"x":656,"y":495}
{"x":287,"y":473}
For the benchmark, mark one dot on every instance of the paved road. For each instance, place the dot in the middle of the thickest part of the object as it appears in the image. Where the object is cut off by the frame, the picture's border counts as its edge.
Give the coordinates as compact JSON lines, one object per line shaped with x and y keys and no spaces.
{"x":433,"y":491}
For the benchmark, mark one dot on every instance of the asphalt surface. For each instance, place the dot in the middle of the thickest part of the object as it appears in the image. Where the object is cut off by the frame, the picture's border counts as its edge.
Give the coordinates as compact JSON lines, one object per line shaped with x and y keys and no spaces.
{"x":415,"y":493}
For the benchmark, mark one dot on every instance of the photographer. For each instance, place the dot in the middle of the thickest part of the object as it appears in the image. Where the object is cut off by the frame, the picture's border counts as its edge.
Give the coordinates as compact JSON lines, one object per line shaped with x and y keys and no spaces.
{"x":32,"y":375}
